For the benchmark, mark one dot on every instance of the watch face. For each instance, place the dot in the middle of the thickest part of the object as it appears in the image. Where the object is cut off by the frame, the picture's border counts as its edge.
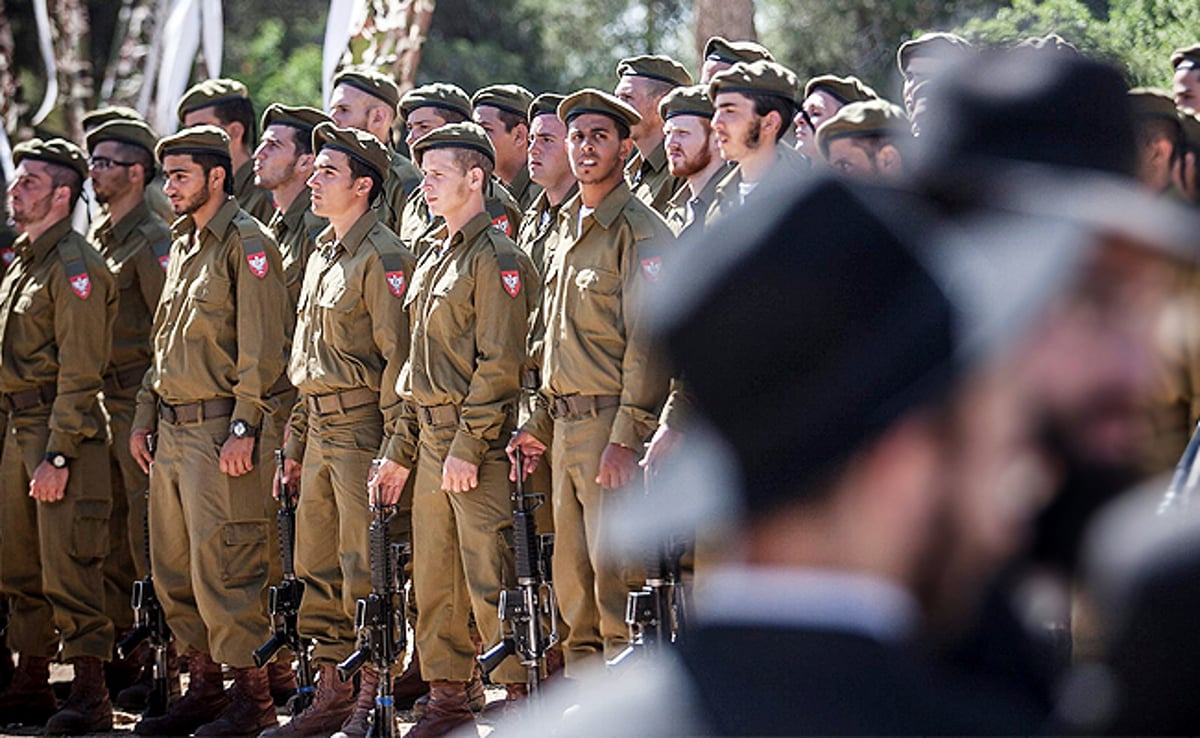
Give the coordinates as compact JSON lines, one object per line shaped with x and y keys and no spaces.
{"x":240,"y":428}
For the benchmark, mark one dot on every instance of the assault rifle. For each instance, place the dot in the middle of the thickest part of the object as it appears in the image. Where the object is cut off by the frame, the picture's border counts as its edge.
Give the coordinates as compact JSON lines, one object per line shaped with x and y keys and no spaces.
{"x":284,"y":601}
{"x":526,"y":610}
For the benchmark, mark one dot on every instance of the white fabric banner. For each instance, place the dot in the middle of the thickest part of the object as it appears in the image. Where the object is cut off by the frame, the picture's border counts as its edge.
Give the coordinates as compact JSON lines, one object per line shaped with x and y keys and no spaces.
{"x":345,"y":17}
{"x":46,"y":46}
{"x":213,"y":29}
{"x":181,"y":41}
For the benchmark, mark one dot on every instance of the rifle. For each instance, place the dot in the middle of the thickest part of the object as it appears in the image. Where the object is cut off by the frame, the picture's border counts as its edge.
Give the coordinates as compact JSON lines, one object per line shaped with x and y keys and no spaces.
{"x":1183,"y":480}
{"x":284,"y":601}
{"x":379,"y":620}
{"x":525,"y":610}
{"x":149,"y":624}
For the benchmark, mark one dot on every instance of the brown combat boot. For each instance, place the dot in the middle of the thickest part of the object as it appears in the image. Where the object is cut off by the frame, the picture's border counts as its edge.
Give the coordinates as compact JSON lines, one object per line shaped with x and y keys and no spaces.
{"x":88,"y":709}
{"x":203,"y":702}
{"x":136,"y":697}
{"x":513,"y":695}
{"x":251,"y":709}
{"x":332,"y":704}
{"x":409,"y":686}
{"x":476,"y":695}
{"x":359,"y":722}
{"x":29,"y":700}
{"x":446,"y":712}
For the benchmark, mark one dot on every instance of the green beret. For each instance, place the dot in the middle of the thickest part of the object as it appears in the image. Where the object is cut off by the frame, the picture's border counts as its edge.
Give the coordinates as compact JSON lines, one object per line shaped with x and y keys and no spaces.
{"x":372,"y":82}
{"x":354,"y":143}
{"x":211,"y":92}
{"x":133,"y":132}
{"x":545,"y":104}
{"x":100,"y":116}
{"x":465,"y":135}
{"x":760,"y":77}
{"x":1191,"y":128}
{"x":1049,"y":42}
{"x":948,"y":45}
{"x":844,"y":89}
{"x":1188,"y":54}
{"x":1153,"y":102}
{"x":204,"y":139}
{"x":53,"y":151}
{"x":303,"y":119}
{"x":732,"y":52}
{"x":437,"y":95}
{"x":661,"y":68}
{"x":865,"y":119}
{"x":686,"y":101}
{"x":513,"y":99}
{"x":601,"y":103}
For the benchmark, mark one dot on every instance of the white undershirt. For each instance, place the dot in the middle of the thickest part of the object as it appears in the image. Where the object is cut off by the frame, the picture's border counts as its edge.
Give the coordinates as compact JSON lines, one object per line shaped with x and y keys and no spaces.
{"x":584,"y":211}
{"x":744,"y":190}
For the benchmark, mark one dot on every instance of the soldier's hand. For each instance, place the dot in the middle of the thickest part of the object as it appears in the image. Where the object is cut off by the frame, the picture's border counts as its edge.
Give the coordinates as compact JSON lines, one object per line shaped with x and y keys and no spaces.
{"x":386,"y":484}
{"x":139,"y":448}
{"x":289,"y":479}
{"x":237,"y":456}
{"x":618,"y":465}
{"x":531,"y":448}
{"x":664,"y":442}
{"x":459,"y":475}
{"x":48,"y":484}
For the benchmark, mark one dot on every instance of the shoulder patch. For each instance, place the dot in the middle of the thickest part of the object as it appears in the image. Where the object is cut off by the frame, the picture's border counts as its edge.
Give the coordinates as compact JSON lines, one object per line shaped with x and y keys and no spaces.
{"x":499,"y":215}
{"x":159,"y":240}
{"x":7,"y":254}
{"x":393,"y":271}
{"x":510,"y":273}
{"x":77,"y":273}
{"x":254,"y":246}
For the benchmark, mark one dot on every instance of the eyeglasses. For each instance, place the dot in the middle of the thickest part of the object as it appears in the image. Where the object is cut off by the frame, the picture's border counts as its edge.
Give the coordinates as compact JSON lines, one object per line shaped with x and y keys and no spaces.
{"x":103,"y":162}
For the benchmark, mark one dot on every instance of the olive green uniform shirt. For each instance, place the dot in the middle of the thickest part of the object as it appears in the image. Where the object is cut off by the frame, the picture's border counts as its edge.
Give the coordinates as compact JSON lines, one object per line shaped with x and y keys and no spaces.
{"x":523,"y":189}
{"x":223,"y":326}
{"x":295,"y":231}
{"x":537,"y":226}
{"x":418,"y":222}
{"x":252,"y":198}
{"x":402,"y":180}
{"x":686,"y":212}
{"x":58,"y":303}
{"x":650,"y":178}
{"x":790,"y":166}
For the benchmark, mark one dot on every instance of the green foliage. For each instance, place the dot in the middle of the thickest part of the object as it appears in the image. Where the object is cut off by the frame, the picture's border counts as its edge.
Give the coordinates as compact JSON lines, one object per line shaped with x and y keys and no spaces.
{"x":275,"y":49}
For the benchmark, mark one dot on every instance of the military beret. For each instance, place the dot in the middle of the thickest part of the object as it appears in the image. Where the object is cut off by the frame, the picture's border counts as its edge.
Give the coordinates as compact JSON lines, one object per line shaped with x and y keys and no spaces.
{"x":865,"y":119}
{"x":1152,"y":102}
{"x":1188,"y":54}
{"x":686,"y":101}
{"x":598,"y":102}
{"x":948,"y":45}
{"x":437,"y":95}
{"x":732,"y":52}
{"x":370,"y":81}
{"x":1050,"y":42}
{"x":52,"y":151}
{"x":464,"y":135}
{"x":303,"y":119}
{"x":661,"y":68}
{"x":513,"y":99}
{"x":133,"y":132}
{"x":204,"y":139}
{"x":545,"y":104}
{"x":211,"y":92}
{"x":844,"y":89}
{"x":360,"y":145}
{"x":760,"y":77}
{"x":100,"y":116}
{"x":1191,"y":128}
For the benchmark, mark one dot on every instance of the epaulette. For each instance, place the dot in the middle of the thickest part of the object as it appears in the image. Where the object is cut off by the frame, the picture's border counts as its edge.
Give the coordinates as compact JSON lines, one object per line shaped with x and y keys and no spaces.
{"x":641,"y":224}
{"x":159,"y":246}
{"x":393,"y":272}
{"x":498,"y":214}
{"x":510,"y":270}
{"x":71,"y":253}
{"x":253,"y":244}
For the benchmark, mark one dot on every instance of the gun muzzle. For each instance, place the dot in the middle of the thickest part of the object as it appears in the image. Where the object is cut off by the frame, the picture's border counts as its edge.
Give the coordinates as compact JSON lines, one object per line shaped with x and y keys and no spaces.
{"x":355,"y":661}
{"x":132,"y":640}
{"x":491,"y":659}
{"x":267,"y":651}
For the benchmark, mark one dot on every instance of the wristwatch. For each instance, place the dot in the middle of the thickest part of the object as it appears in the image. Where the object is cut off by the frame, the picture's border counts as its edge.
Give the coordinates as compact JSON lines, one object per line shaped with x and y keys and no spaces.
{"x":56,"y":460}
{"x":241,"y":429}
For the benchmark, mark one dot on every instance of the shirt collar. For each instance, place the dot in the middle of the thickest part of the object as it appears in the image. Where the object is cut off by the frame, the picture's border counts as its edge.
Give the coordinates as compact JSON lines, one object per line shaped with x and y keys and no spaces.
{"x":295,"y":212}
{"x":123,"y":227}
{"x":358,"y":232}
{"x":608,"y":209}
{"x":45,"y":243}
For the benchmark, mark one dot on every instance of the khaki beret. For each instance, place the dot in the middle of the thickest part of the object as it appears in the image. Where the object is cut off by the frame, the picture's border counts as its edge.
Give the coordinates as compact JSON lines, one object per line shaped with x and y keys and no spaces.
{"x":845,"y":89}
{"x":948,"y":45}
{"x":1188,"y":54}
{"x":204,"y":139}
{"x":352,"y":142}
{"x":1153,"y":102}
{"x":865,"y":119}
{"x":437,"y":95}
{"x":52,"y":151}
{"x":211,"y":92}
{"x":661,"y":68}
{"x":464,"y":135}
{"x":601,"y":103}
{"x":732,"y":52}
{"x":686,"y":101}
{"x":1191,"y":128}
{"x":1049,"y":42}
{"x":513,"y":99}
{"x":545,"y":104}
{"x":133,"y":132}
{"x":303,"y":119}
{"x":371,"y":81}
{"x":100,"y":116}
{"x":760,"y":77}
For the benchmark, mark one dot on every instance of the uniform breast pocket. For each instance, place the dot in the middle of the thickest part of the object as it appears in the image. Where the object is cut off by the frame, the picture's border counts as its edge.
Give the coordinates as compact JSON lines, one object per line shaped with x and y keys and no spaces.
{"x":599,"y":295}
{"x":209,"y":290}
{"x":32,"y":302}
{"x":452,"y":302}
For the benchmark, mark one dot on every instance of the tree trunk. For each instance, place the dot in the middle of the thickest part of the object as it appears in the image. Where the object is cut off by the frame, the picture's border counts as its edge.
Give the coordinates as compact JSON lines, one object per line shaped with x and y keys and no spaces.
{"x":8,"y":78}
{"x":76,"y":90}
{"x":395,"y":31}
{"x":733,"y":19}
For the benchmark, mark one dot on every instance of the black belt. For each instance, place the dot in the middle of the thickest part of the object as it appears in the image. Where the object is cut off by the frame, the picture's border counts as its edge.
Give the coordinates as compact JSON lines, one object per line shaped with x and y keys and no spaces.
{"x":438,"y":415}
{"x":340,"y":402}
{"x":196,"y":412}
{"x":573,"y":406}
{"x":125,"y":379}
{"x":531,"y":379}
{"x":15,"y":402}
{"x":283,"y":384}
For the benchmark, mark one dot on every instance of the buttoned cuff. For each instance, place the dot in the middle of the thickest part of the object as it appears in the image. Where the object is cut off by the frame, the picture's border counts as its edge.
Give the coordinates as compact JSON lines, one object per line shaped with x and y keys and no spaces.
{"x":395,"y":449}
{"x":468,"y":448}
{"x":247,"y":411}
{"x":294,"y":447}
{"x":66,"y":444}
{"x":146,"y":416}
{"x":540,"y":425}
{"x":631,"y":427}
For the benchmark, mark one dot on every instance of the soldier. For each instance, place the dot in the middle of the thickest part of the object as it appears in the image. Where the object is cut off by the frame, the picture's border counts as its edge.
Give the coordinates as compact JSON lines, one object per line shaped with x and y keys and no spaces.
{"x":1186,"y":82}
{"x":226,"y":104}
{"x":136,"y":244}
{"x":351,"y":339}
{"x":692,"y":156}
{"x":155,"y":199}
{"x":220,"y":340}
{"x":824,"y":96}
{"x":1159,"y":138}
{"x":283,"y":162}
{"x":503,"y":112}
{"x":58,"y":302}
{"x":468,"y":306}
{"x":864,"y":140}
{"x":926,"y":57}
{"x":367,"y":100}
{"x":721,"y":54}
{"x":645,"y":80}
{"x":1187,"y":181}
{"x":601,"y":386}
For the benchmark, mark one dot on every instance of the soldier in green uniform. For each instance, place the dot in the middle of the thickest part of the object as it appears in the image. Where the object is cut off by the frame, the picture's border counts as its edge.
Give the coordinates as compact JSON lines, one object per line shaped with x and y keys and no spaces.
{"x":601,"y":386}
{"x":692,"y":156}
{"x":927,"y":57}
{"x":155,"y":199}
{"x":367,"y":100}
{"x":58,"y":302}
{"x":226,"y":104}
{"x":644,"y":82}
{"x":135,"y":243}
{"x":468,"y":306}
{"x":502,"y":111}
{"x":865,"y":140}
{"x":1159,"y":138}
{"x":1185,"y":82}
{"x":220,"y":338}
{"x":823,"y":96}
{"x":721,"y":54}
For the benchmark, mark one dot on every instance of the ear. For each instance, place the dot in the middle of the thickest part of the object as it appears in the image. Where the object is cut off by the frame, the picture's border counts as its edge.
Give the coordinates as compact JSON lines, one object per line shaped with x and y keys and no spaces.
{"x":773,"y":124}
{"x":475,"y":179}
{"x":362,"y":187}
{"x":520,"y":135}
{"x":304,"y":163}
{"x":236,"y":131}
{"x":889,"y":159}
{"x":216,"y":179}
{"x":626,"y":149}
{"x":137,"y":175}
